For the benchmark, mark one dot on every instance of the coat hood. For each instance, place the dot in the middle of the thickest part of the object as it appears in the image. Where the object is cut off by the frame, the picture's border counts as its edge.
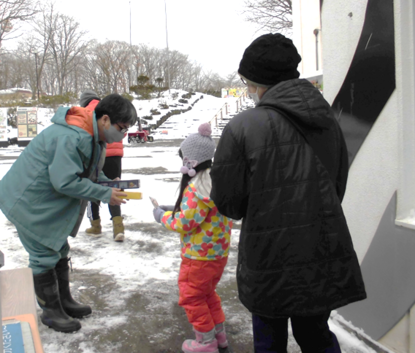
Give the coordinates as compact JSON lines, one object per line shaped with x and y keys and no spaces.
{"x":300,"y":100}
{"x":82,"y":118}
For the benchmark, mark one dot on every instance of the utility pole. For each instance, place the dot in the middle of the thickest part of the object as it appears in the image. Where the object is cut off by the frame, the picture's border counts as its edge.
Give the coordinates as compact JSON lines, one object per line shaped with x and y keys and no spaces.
{"x":37,"y":78}
{"x":316,"y":31}
{"x":131,"y":56}
{"x":167,"y":44}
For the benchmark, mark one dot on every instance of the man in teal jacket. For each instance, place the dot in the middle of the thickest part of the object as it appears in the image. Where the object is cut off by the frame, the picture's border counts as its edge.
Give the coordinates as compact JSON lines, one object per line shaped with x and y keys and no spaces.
{"x":45,"y":193}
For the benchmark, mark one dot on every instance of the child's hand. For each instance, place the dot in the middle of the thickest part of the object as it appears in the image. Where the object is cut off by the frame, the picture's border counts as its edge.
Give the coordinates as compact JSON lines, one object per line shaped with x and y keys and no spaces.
{"x":158,"y":214}
{"x":167,"y":208}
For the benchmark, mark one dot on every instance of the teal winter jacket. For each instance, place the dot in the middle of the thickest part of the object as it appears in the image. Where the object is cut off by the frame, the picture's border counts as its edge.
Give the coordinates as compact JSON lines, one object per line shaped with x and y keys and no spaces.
{"x":43,"y":191}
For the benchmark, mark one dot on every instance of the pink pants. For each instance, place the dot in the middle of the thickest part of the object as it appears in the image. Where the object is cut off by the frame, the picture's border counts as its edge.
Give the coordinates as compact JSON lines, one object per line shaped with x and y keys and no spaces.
{"x":197,"y":290}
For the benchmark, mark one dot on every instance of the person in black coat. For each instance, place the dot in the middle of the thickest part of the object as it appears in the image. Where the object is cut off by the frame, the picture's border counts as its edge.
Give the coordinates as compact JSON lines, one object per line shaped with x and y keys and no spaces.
{"x":282,"y":167}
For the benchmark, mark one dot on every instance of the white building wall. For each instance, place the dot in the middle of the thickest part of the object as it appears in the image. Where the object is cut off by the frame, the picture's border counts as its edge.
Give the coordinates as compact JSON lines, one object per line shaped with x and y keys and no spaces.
{"x":405,"y":87}
{"x":385,"y":163}
{"x":342,"y":25}
{"x":306,"y":19}
{"x":373,"y":179}
{"x":374,"y":173}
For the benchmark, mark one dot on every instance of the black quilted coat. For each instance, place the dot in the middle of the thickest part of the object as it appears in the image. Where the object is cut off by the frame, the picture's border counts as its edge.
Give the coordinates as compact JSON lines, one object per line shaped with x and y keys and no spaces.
{"x":296,"y":255}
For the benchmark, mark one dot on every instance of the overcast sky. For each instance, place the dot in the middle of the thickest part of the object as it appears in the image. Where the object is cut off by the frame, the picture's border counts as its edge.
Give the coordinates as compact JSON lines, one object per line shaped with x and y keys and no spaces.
{"x":213,"y":33}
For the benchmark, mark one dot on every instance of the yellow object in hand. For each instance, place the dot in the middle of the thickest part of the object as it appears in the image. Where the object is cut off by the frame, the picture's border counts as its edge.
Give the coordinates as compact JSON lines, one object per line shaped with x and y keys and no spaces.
{"x":132,"y":195}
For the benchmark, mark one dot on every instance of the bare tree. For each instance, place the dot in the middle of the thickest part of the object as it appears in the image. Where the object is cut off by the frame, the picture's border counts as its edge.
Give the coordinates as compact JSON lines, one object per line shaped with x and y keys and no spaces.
{"x":47,"y":59}
{"x":149,"y":61}
{"x":12,"y":13}
{"x":199,"y":78}
{"x":112,"y":61}
{"x":25,"y":63}
{"x":12,"y":71}
{"x":233,"y":80}
{"x":65,"y":46}
{"x":40,"y":45}
{"x":269,"y":15}
{"x":176,"y":62}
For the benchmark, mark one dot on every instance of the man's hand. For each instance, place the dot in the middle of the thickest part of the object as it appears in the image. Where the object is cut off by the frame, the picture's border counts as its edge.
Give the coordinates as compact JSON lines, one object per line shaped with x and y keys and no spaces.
{"x":115,"y":200}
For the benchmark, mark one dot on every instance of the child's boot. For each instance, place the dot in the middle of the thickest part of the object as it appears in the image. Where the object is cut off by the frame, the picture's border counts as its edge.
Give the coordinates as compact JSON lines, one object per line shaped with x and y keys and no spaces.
{"x":220,"y":335}
{"x":118,"y":228}
{"x":95,"y":227}
{"x":205,"y":342}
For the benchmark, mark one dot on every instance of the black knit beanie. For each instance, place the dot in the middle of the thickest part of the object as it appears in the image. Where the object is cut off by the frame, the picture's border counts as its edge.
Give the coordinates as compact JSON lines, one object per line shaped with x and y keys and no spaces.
{"x":270,"y":59}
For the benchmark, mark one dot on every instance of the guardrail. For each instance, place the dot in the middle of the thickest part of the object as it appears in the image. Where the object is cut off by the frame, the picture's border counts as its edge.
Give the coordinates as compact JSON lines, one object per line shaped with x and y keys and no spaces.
{"x":220,"y":114}
{"x":225,"y":109}
{"x":241,"y":98}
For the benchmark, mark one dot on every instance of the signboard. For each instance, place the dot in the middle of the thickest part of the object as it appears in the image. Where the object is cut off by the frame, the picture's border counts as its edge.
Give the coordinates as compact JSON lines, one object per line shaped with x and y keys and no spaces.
{"x":26,"y":123}
{"x":3,"y":124}
{"x":232,"y":92}
{"x":22,"y":131}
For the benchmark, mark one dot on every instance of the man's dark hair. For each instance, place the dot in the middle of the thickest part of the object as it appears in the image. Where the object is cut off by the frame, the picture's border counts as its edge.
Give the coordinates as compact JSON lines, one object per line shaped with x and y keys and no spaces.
{"x":118,"y":108}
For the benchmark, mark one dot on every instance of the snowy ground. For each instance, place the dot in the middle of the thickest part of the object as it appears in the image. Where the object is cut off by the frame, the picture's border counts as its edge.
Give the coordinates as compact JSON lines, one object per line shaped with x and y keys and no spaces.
{"x":131,"y":286}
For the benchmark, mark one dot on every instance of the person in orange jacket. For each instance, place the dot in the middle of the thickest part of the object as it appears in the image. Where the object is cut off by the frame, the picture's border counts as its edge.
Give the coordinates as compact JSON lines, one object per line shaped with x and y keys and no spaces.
{"x":112,"y":169}
{"x":45,"y":193}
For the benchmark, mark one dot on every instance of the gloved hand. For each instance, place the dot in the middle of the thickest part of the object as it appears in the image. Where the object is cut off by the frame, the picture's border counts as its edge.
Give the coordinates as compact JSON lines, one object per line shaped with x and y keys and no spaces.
{"x":87,"y":96}
{"x":167,"y":208}
{"x":158,"y":214}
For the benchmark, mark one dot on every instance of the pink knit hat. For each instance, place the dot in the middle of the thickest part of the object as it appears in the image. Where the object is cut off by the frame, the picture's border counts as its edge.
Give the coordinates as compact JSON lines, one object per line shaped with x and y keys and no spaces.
{"x":196,"y":149}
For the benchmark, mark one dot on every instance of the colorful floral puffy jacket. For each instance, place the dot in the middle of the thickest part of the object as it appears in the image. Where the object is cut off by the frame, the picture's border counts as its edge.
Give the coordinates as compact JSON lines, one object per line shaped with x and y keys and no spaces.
{"x":204,"y":233}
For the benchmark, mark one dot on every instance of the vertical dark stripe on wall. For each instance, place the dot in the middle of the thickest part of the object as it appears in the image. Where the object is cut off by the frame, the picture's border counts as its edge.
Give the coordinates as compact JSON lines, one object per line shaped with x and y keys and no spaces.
{"x":370,"y":80}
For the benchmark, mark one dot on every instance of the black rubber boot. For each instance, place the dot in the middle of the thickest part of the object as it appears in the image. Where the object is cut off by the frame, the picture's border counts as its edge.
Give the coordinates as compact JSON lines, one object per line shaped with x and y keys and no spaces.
{"x":71,"y":307}
{"x":47,"y":294}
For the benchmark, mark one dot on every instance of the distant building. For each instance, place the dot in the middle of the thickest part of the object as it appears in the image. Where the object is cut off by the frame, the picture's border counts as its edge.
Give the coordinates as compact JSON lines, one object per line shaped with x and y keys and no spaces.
{"x":15,"y":94}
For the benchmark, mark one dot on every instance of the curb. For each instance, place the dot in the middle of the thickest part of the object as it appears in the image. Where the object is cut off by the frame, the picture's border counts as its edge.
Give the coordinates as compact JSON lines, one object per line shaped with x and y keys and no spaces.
{"x":370,"y":342}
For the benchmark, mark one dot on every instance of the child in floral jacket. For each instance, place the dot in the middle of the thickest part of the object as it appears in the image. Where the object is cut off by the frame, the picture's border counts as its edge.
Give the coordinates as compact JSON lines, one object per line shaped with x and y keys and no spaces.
{"x":205,"y":240}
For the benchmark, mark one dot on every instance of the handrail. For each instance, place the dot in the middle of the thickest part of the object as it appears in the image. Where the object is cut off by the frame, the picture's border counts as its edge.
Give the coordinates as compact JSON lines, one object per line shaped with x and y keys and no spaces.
{"x":238,"y":106}
{"x":221,"y":113}
{"x":239,"y":101}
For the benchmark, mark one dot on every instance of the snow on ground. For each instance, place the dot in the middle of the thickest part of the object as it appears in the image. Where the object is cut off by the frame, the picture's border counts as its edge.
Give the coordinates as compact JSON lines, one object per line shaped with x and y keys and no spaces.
{"x":181,"y":125}
{"x":132,"y":285}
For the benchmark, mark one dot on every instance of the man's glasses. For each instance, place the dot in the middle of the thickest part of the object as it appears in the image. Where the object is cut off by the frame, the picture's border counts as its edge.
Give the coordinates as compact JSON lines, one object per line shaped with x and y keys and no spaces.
{"x":244,"y":82}
{"x":122,"y":129}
